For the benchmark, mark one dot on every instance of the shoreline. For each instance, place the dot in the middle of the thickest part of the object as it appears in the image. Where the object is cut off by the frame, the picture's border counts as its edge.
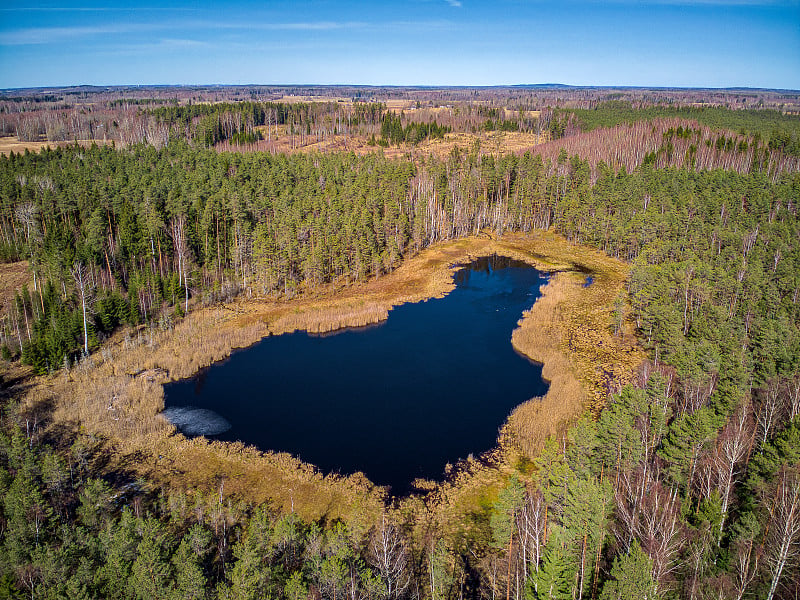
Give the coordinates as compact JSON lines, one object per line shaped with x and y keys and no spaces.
{"x":120,"y":398}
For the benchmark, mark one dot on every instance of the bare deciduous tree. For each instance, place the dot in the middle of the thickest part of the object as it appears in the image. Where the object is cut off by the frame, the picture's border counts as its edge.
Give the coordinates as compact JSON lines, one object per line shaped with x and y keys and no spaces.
{"x":389,"y":555}
{"x":182,"y":253}
{"x":783,"y":539}
{"x":531,"y":528}
{"x":732,"y":447}
{"x":769,"y":409}
{"x":652,"y":517}
{"x":793,"y":396}
{"x":85,"y":288}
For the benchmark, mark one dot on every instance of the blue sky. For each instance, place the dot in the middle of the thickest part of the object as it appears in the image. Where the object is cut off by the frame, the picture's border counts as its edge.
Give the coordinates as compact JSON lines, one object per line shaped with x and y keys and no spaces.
{"x":698,"y":43}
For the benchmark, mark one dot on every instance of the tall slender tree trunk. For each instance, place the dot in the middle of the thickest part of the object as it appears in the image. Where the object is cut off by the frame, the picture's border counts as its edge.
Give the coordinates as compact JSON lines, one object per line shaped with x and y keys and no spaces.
{"x":508,"y":571}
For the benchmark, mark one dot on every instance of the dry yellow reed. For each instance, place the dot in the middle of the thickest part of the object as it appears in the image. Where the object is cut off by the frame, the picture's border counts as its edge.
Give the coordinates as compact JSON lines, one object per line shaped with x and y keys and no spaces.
{"x":120,"y":397}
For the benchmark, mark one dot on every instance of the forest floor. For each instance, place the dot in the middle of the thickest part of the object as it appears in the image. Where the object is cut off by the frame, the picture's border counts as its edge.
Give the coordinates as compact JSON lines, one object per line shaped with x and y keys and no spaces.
{"x":116,"y":396}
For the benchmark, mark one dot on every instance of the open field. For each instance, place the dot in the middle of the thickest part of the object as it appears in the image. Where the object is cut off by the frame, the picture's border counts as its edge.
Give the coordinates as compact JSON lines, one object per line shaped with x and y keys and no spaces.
{"x":9,"y":144}
{"x":294,"y":99}
{"x":497,"y":142}
{"x":117,"y":396}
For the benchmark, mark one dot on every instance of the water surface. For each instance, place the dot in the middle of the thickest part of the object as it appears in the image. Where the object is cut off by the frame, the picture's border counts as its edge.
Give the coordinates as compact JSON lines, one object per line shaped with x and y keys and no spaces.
{"x":398,"y":400}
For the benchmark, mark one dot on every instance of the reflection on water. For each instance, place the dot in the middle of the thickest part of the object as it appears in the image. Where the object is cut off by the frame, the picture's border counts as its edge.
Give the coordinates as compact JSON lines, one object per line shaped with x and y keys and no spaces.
{"x":397,"y":401}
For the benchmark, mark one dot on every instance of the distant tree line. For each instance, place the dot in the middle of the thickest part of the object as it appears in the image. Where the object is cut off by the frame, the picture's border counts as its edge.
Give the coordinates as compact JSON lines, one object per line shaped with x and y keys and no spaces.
{"x":394,"y":132}
{"x":779,"y":131}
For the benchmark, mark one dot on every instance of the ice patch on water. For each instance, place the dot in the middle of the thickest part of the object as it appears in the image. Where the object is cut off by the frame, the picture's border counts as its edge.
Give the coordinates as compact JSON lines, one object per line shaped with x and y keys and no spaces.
{"x":196,"y":421}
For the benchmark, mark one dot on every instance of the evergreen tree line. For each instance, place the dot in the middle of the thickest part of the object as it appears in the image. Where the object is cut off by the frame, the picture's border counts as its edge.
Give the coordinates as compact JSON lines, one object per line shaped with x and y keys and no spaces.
{"x":209,"y":124}
{"x":714,"y":285}
{"x":393,"y":131}
{"x":655,"y":499}
{"x":773,"y":128}
{"x":68,"y":534}
{"x":260,"y":113}
{"x":658,"y":498}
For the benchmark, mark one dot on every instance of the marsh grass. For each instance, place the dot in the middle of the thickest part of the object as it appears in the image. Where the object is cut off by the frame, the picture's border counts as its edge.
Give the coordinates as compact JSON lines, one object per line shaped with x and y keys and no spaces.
{"x":569,"y":330}
{"x":330,"y":318}
{"x":118,"y":394}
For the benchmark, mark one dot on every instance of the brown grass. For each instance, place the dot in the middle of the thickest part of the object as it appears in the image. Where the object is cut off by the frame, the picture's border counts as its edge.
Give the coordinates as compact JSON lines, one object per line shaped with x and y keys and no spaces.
{"x":119,"y":395}
{"x":312,"y":99}
{"x":569,"y":331}
{"x":119,"y":398}
{"x":11,"y":144}
{"x":13,"y":276}
{"x":497,"y":142}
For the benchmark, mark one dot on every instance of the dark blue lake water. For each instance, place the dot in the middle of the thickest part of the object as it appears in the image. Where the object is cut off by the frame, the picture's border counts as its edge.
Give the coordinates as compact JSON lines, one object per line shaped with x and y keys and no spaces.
{"x":397,"y":400}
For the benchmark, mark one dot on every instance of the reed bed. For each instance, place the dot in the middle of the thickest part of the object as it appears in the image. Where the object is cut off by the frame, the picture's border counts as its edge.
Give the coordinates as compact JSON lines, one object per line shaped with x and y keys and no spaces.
{"x":117,"y":394}
{"x":570,"y":331}
{"x":540,"y":336}
{"x":331,"y":318}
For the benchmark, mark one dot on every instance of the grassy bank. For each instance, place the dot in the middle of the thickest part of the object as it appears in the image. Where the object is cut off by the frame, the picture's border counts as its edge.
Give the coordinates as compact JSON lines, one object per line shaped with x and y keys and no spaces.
{"x":116,"y":396}
{"x":570,"y":330}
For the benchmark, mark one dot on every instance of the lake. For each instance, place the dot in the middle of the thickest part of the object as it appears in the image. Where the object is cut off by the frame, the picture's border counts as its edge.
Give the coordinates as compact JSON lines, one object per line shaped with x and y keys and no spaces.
{"x":397,"y":400}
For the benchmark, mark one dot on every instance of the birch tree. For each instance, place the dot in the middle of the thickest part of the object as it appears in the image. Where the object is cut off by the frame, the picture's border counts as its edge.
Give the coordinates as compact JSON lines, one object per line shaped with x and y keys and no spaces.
{"x":85,"y":287}
{"x":182,"y":254}
{"x":783,"y":539}
{"x":389,"y":555}
{"x":732,"y":447}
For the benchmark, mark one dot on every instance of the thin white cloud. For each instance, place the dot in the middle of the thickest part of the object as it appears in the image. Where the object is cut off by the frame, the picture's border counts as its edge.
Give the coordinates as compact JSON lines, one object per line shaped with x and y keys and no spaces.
{"x":55,"y":35}
{"x":454,"y":3}
{"x":311,"y":26}
{"x":183,"y":43}
{"x":50,"y":35}
{"x":322,"y":25}
{"x":152,"y":48}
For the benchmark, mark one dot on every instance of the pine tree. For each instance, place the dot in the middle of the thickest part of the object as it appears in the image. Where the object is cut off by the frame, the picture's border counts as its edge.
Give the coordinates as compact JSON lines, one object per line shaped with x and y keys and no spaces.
{"x":631,"y":577}
{"x":151,"y":573}
{"x":554,"y":579}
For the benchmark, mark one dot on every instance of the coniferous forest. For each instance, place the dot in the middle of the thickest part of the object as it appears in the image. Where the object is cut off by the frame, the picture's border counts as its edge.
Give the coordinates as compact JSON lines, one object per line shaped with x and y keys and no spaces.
{"x":687,"y":483}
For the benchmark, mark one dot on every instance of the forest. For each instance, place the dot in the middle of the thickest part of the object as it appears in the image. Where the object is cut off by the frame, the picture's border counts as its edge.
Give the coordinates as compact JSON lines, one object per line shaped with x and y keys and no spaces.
{"x":686,"y":485}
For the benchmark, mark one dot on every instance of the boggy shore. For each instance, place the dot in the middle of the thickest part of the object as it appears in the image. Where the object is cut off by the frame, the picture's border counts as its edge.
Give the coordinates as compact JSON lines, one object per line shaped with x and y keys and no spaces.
{"x":117,"y":398}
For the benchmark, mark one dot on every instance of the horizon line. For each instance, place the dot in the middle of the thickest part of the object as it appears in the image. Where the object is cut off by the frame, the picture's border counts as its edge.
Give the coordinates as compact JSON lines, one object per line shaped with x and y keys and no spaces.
{"x":552,"y":85}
